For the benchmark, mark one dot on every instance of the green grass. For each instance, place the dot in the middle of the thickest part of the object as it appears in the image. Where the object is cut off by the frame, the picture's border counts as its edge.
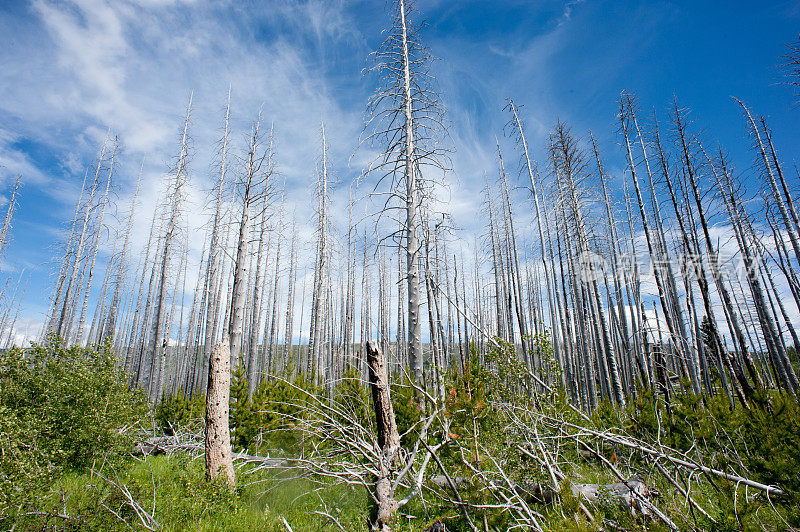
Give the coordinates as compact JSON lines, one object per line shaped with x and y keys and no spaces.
{"x":184,"y":500}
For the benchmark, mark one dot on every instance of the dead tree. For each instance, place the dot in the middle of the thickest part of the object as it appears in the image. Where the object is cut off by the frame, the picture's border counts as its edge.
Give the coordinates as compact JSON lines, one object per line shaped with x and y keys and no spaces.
{"x":63,"y":324}
{"x":316,"y":337}
{"x":256,"y":304}
{"x":53,"y":315}
{"x":657,"y":259}
{"x":273,"y":316}
{"x":252,"y":185}
{"x":514,"y":268}
{"x":291,"y":296}
{"x":353,"y":451}
{"x":405,"y":119}
{"x":12,"y":205}
{"x":96,"y":245}
{"x":216,"y":258}
{"x":388,"y":439}
{"x":530,"y":169}
{"x":791,"y":225}
{"x":218,"y":456}
{"x":107,"y":330}
{"x":175,"y":194}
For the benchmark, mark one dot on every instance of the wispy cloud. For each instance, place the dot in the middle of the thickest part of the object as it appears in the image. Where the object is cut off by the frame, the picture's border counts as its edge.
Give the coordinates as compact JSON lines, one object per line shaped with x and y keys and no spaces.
{"x":73,"y":69}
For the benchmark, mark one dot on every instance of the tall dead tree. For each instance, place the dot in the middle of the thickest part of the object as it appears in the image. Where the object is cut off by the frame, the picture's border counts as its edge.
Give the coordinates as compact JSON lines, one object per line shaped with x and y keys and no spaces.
{"x":12,"y":205}
{"x":175,"y":195}
{"x":657,"y":260}
{"x":256,"y":304}
{"x":405,"y":120}
{"x":769,"y":171}
{"x":316,"y":337}
{"x":530,"y":170}
{"x":53,"y":320}
{"x":252,"y":186}
{"x":107,"y":330}
{"x":514,"y":260}
{"x":291,"y":296}
{"x":63,"y":325}
{"x":216,"y":247}
{"x":96,"y":244}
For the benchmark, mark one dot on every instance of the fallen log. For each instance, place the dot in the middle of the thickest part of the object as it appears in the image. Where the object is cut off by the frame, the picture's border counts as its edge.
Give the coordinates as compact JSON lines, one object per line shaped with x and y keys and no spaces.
{"x":162,"y":445}
{"x":632,"y":494}
{"x":440,"y":481}
{"x":169,"y":444}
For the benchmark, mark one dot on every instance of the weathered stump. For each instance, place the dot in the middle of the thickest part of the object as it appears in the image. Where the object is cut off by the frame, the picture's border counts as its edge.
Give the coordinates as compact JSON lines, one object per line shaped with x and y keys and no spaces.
{"x":217,"y":432}
{"x":385,"y":507}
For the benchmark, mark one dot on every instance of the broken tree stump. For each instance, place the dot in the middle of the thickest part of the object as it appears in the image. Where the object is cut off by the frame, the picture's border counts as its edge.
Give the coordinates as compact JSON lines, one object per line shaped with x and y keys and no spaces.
{"x":386,"y":505}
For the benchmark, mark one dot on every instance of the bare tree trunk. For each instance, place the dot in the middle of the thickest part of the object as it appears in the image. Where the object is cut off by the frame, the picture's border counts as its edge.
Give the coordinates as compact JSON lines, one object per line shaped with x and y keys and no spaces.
{"x":64,"y":321}
{"x":95,"y":248}
{"x":786,"y":373}
{"x":514,"y":263}
{"x":12,"y":205}
{"x":175,"y":191}
{"x":412,"y":208}
{"x":383,"y":512}
{"x":107,"y":331}
{"x":252,"y":186}
{"x":130,"y":356}
{"x":791,"y":228}
{"x":216,"y":256}
{"x":273,"y":315}
{"x":52,"y":321}
{"x":256,"y":306}
{"x":218,"y":457}
{"x":675,"y":330}
{"x":98,"y":319}
{"x":290,"y":297}
{"x":539,"y":215}
{"x":316,"y":335}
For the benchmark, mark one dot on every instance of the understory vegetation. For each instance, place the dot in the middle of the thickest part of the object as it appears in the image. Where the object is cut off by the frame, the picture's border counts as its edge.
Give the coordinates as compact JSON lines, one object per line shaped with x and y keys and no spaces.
{"x":69,"y":426}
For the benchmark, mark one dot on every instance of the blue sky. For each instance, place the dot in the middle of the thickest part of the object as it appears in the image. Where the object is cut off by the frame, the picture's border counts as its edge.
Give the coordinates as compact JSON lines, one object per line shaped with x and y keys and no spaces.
{"x":71,"y":70}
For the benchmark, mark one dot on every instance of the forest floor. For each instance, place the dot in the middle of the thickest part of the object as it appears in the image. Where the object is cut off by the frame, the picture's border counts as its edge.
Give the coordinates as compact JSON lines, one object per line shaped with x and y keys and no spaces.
{"x":173,"y":490}
{"x":69,"y":459}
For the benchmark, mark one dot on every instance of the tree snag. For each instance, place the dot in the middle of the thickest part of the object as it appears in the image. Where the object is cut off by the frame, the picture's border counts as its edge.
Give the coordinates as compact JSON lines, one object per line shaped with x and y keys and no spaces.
{"x":383,"y":511}
{"x":217,"y":433}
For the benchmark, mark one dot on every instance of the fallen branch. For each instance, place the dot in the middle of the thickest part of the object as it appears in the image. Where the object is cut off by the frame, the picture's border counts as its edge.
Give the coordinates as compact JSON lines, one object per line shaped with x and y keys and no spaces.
{"x":170,"y":444}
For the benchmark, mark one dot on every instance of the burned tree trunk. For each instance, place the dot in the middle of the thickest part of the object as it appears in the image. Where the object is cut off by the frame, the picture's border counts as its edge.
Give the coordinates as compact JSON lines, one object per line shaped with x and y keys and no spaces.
{"x":217,"y":433}
{"x":385,"y":503}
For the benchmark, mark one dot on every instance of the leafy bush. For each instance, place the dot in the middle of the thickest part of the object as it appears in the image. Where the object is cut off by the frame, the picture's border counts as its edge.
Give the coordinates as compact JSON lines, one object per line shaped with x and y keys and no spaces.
{"x":61,"y":409}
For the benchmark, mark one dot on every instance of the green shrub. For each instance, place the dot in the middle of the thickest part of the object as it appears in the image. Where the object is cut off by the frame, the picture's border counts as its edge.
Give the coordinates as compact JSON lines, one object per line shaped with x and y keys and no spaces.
{"x":351,"y":397}
{"x":763,"y":441}
{"x":407,"y":410}
{"x":180,"y":410}
{"x":61,"y":409}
